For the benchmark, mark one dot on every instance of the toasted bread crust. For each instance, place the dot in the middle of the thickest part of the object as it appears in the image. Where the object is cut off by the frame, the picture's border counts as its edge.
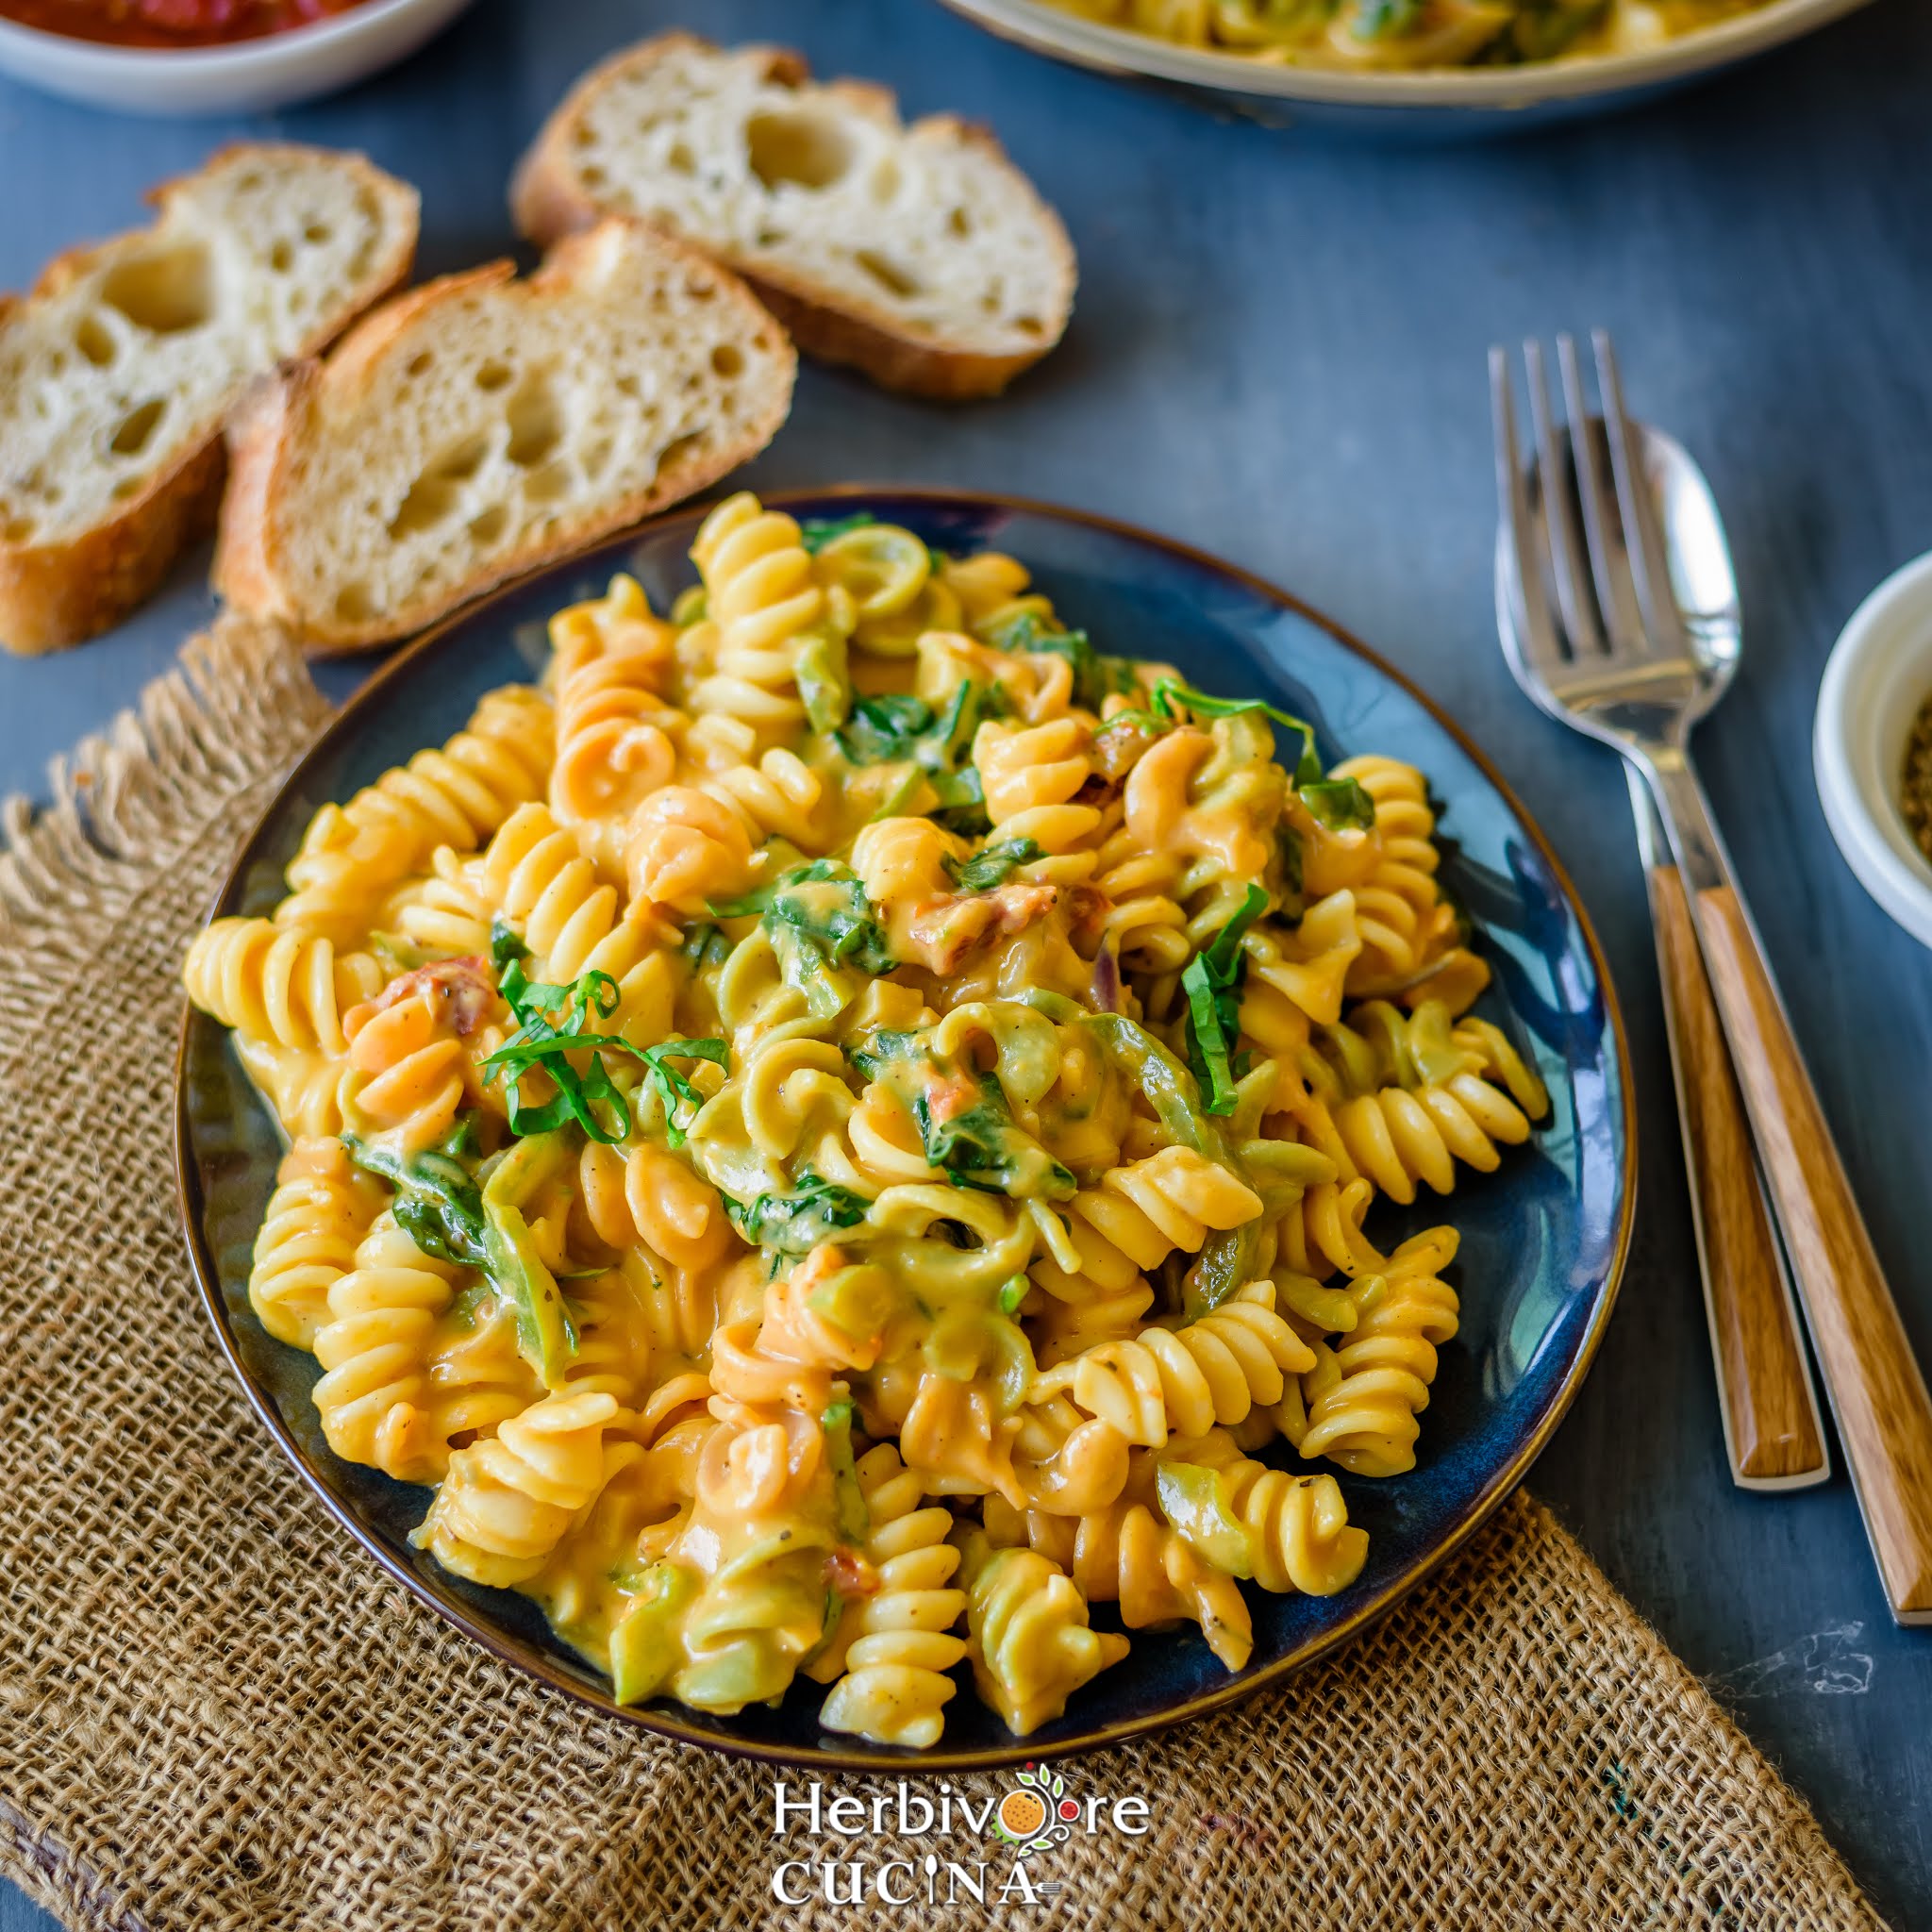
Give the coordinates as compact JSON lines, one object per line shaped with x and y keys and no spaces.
{"x":57,"y":594}
{"x":547,"y":204}
{"x":52,"y":595}
{"x":258,"y":435}
{"x":267,"y":437}
{"x":894,"y":359}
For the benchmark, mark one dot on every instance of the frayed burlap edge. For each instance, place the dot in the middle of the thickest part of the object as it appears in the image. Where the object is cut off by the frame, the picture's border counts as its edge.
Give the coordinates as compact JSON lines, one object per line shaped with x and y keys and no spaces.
{"x":215,"y":1714}
{"x":239,"y":708}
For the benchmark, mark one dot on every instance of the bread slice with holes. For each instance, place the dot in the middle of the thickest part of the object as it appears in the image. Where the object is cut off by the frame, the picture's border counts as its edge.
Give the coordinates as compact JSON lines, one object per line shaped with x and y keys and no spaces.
{"x":480,"y":427}
{"x":919,"y":254}
{"x":118,"y":372}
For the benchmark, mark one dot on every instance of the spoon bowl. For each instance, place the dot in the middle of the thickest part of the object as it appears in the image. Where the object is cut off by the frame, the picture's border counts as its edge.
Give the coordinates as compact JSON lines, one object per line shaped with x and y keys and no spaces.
{"x":1700,"y":581}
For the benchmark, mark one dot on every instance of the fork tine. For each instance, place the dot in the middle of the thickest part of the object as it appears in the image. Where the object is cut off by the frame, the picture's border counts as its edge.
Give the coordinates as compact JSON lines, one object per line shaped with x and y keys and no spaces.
{"x":1534,"y":632}
{"x":1639,"y":510}
{"x":1616,"y":594}
{"x":1566,"y":560}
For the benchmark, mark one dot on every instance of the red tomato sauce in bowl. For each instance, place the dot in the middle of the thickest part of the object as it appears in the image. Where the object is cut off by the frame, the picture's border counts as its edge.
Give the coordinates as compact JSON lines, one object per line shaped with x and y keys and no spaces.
{"x":170,"y":23}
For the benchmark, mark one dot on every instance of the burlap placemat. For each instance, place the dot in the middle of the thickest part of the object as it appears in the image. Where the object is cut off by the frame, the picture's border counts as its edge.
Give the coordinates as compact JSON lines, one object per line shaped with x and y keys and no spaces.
{"x":216,"y":1713}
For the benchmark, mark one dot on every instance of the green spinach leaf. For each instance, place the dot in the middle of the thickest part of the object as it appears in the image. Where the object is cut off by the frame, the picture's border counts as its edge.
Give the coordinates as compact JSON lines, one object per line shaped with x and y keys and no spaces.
{"x":1096,"y":677}
{"x":555,"y":1023}
{"x":1213,"y":982}
{"x":816,"y":532}
{"x":437,"y":1202}
{"x":994,"y":865}
{"x":796,"y":1222}
{"x":1340,"y":804}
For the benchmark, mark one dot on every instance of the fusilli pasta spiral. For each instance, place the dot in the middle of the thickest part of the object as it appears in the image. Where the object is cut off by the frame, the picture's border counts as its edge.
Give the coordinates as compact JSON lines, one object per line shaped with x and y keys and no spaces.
{"x":895,"y":1686}
{"x":1027,"y":1636}
{"x":352,"y":854}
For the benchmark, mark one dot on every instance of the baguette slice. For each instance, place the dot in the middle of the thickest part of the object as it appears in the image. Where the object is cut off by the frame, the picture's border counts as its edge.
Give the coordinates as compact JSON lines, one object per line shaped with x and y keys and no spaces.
{"x":921,"y":254}
{"x":117,"y":373}
{"x":479,"y":426}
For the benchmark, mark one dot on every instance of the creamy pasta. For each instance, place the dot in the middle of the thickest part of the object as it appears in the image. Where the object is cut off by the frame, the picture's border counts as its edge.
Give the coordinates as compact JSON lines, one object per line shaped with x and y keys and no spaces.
{"x":1396,"y":34}
{"x":840,"y":1135}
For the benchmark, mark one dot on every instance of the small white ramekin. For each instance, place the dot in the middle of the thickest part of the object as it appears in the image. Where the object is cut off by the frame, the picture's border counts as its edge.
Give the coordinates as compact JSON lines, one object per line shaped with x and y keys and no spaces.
{"x":1880,"y":673}
{"x":245,"y":77}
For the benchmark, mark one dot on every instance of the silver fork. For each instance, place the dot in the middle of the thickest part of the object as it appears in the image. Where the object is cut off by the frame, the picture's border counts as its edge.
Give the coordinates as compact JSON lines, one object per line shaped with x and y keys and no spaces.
{"x":1597,"y":638}
{"x":1773,"y":1435}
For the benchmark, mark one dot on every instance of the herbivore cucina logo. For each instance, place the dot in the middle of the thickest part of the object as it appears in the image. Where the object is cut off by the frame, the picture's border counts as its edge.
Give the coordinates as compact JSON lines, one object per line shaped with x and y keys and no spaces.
{"x":920,"y":1844}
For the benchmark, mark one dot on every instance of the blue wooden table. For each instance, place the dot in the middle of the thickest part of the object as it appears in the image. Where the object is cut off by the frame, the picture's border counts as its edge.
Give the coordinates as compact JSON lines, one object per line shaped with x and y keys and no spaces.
{"x":1278,"y":355}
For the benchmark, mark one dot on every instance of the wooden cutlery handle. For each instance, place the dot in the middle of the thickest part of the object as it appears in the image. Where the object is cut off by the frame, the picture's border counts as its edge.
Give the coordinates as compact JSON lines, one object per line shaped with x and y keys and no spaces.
{"x":1770,"y":1416}
{"x":1877,"y":1391}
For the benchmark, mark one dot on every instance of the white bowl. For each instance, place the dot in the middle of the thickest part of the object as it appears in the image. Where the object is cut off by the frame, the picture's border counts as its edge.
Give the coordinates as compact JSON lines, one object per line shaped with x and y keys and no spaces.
{"x":272,"y":72}
{"x":1880,"y":673}
{"x":1425,"y":101}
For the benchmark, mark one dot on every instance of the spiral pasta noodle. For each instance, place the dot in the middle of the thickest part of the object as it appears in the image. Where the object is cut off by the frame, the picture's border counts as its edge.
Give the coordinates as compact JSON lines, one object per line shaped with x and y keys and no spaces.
{"x":457,"y":796}
{"x":846,"y":1128}
{"x":1124,"y":1554}
{"x":1028,"y":1635}
{"x":408,"y":1071}
{"x":374,"y":1396}
{"x":762,"y":600}
{"x":277,"y":985}
{"x":1365,"y":1397}
{"x":1141,"y":1214}
{"x":535,"y":873}
{"x":1299,"y":1534}
{"x":1185,"y":1380}
{"x":1400,"y":910}
{"x":617,"y":739}
{"x":1031,"y":779}
{"x":894,"y":1686}
{"x":507,"y":1500}
{"x":1429,"y":1101}
{"x":316,"y":1218}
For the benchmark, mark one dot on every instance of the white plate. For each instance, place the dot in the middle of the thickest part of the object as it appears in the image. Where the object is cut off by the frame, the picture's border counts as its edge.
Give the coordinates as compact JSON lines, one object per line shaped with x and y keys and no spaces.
{"x":272,"y":72}
{"x":1466,"y":99}
{"x":1880,"y":673}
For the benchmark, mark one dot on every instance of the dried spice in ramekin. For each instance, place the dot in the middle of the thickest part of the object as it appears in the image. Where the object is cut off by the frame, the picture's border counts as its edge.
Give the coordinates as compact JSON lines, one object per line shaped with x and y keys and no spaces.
{"x":1915,"y":781}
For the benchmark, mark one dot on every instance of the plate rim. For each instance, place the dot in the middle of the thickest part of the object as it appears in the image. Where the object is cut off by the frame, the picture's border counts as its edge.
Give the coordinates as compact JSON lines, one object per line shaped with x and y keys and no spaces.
{"x":672,"y":1723}
{"x":1121,"y":53}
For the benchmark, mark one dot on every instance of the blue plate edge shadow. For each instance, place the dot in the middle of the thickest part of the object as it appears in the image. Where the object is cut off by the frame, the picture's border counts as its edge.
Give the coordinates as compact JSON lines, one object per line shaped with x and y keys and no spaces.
{"x":575,"y":1681}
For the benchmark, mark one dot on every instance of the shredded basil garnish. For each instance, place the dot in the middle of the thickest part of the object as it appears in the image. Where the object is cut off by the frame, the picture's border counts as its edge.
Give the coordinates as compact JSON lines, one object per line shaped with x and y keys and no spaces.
{"x":992,"y":866}
{"x":1340,"y":804}
{"x":796,"y":1224}
{"x":437,"y":1202}
{"x":556,"y":1023}
{"x":703,"y":946}
{"x":816,"y":532}
{"x":1384,"y":20}
{"x":1212,"y":983}
{"x":1169,"y":693}
{"x":824,"y":905}
{"x":506,"y":947}
{"x":885,"y":728}
{"x":1096,"y":677}
{"x":982,"y":1148}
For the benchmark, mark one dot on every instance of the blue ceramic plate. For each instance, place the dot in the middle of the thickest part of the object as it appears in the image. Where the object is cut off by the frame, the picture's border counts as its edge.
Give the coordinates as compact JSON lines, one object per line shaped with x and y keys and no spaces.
{"x":1543,"y":1239}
